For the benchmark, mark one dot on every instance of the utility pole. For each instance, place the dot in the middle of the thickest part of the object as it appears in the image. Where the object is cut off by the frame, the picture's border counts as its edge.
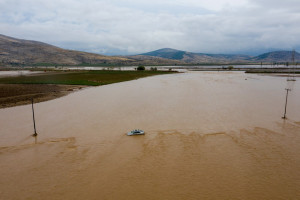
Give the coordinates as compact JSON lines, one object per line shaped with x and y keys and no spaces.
{"x":287,"y":94}
{"x":35,"y":134}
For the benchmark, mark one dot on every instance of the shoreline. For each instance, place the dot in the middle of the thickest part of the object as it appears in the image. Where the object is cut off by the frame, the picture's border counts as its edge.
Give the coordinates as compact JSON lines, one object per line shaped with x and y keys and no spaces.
{"x":20,"y":88}
{"x":18,"y":93}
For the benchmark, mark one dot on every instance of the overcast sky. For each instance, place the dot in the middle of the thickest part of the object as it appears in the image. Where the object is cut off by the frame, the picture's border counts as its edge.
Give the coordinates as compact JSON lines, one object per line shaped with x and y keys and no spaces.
{"x":122,"y":27}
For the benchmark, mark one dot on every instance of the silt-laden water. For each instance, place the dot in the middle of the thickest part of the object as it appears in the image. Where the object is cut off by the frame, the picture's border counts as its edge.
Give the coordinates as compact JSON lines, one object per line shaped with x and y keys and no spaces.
{"x":209,"y":135}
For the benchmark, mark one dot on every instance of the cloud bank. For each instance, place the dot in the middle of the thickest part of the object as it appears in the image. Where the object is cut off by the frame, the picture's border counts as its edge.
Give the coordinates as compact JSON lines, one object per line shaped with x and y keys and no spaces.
{"x":115,"y":27}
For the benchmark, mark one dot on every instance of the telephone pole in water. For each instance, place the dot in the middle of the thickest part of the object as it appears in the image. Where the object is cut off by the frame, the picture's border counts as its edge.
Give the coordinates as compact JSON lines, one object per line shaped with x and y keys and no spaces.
{"x":35,"y":134}
{"x":287,"y":94}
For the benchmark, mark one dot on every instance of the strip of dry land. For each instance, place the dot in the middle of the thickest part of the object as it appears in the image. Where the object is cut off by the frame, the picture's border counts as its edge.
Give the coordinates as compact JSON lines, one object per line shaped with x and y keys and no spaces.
{"x":21,"y":94}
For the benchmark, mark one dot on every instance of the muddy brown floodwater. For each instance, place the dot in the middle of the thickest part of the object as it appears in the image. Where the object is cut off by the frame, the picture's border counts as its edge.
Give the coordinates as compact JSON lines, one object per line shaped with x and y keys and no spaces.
{"x":209,"y":135}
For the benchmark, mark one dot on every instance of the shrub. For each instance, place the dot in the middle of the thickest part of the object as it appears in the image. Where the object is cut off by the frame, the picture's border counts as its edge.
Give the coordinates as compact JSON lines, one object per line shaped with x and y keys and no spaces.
{"x":141,"y":68}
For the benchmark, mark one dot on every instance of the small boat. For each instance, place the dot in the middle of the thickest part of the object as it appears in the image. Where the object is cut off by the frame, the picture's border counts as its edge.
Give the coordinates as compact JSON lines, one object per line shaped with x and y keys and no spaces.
{"x":136,"y":132}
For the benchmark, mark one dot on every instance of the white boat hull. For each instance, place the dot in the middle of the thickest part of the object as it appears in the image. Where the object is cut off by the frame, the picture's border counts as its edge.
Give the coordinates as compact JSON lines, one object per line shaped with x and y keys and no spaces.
{"x":136,"y":132}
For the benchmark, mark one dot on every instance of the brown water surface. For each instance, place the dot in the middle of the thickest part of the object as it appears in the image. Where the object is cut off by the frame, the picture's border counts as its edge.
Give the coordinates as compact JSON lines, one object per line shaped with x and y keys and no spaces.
{"x":209,"y":135}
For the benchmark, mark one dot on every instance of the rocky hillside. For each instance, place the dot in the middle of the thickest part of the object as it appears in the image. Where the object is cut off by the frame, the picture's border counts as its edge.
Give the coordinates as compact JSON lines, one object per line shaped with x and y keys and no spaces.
{"x":16,"y":51}
{"x":277,"y":56}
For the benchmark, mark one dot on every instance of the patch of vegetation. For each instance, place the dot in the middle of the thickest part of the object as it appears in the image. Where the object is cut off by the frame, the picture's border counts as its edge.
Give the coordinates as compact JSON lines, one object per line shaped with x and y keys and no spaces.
{"x":141,"y":68}
{"x":90,"y":78}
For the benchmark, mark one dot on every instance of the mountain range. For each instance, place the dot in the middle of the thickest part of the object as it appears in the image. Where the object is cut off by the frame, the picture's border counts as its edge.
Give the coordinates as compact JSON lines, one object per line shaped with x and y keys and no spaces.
{"x":189,"y":57}
{"x":15,"y":51}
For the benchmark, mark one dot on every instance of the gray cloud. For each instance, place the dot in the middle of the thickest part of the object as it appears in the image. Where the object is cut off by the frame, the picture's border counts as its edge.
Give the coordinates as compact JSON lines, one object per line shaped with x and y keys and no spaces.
{"x":132,"y":26}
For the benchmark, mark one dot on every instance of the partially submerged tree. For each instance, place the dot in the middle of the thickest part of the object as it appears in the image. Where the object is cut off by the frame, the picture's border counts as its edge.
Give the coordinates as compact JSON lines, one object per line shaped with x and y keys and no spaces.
{"x":230,"y":67}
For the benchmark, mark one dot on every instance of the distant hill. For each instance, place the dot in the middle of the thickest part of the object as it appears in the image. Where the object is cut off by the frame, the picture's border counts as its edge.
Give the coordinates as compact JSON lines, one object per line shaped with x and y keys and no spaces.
{"x":167,"y":53}
{"x":277,"y":56}
{"x":189,"y":57}
{"x":19,"y":51}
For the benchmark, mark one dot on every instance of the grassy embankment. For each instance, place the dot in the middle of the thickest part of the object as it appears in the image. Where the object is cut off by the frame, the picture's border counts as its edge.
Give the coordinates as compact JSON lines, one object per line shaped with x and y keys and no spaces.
{"x":90,"y":78}
{"x":45,"y":86}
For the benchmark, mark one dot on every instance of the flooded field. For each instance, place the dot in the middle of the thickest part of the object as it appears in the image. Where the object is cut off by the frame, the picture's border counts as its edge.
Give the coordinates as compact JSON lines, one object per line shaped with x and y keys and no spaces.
{"x":17,"y":73}
{"x":209,"y":135}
